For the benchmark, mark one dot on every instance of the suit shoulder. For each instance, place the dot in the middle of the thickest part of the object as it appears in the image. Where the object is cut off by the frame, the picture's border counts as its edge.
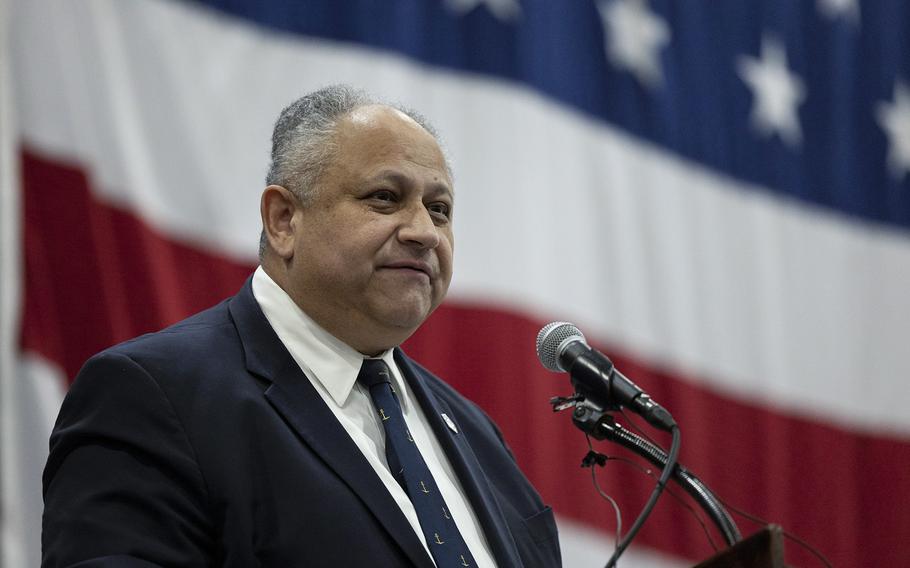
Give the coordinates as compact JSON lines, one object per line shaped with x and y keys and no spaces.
{"x":182,"y":350}
{"x":189,"y":334}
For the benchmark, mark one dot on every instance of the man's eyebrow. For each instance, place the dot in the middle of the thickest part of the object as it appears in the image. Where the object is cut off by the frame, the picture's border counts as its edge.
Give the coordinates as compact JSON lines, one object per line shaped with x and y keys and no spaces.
{"x":435,"y":188}
{"x":440,"y":188}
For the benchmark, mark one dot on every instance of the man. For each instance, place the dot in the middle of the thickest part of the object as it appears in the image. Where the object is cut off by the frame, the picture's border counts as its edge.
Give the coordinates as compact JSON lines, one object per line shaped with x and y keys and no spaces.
{"x":284,"y":427}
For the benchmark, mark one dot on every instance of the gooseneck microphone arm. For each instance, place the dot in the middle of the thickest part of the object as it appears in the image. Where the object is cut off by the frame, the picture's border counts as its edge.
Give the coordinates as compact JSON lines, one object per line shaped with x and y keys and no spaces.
{"x":710,"y":504}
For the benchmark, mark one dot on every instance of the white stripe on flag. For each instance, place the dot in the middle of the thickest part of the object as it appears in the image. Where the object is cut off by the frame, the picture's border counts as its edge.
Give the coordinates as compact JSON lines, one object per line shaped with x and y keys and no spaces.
{"x":32,"y":396}
{"x":12,"y":477}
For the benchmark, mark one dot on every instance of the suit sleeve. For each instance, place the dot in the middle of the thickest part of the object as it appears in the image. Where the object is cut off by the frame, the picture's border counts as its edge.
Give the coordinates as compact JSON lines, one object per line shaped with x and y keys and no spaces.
{"x":122,"y":485}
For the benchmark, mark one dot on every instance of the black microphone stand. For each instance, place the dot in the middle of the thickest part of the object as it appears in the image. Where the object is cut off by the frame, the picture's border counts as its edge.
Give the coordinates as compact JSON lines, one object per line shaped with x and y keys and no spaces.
{"x":599,"y":423}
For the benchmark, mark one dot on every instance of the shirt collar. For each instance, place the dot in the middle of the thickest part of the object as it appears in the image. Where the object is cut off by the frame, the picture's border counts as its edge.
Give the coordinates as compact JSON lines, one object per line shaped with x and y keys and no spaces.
{"x":321,"y":356}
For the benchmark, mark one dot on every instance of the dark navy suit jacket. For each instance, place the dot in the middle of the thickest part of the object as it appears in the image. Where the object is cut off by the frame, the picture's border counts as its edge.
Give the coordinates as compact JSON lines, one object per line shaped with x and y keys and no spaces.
{"x":205,"y":445}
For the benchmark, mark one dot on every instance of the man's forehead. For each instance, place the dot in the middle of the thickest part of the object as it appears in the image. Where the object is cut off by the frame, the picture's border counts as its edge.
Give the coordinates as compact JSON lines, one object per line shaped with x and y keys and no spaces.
{"x":380,"y":130}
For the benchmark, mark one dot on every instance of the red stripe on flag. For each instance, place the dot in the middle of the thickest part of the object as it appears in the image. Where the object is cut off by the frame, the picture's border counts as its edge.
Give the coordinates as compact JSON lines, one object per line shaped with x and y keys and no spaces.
{"x":96,"y":275}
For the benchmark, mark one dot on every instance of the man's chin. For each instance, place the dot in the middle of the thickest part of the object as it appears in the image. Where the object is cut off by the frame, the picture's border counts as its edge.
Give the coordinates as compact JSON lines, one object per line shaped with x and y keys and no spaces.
{"x":406,"y":316}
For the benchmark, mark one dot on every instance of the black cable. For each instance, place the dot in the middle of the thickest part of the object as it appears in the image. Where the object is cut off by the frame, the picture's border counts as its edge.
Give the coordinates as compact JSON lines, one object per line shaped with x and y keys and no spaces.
{"x":692,"y":511}
{"x":759,"y":521}
{"x":652,"y":501}
{"x":680,"y":478}
{"x":605,"y":496}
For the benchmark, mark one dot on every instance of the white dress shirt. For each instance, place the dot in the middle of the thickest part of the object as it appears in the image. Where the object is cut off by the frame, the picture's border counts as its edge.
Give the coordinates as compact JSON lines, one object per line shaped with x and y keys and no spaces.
{"x":332,"y":367}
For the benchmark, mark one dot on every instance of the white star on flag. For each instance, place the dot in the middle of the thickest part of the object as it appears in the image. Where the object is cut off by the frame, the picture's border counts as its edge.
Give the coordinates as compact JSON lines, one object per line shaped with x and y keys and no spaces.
{"x":834,"y":9}
{"x":634,"y":38}
{"x":776,"y":92}
{"x":894,"y":119}
{"x":504,"y":10}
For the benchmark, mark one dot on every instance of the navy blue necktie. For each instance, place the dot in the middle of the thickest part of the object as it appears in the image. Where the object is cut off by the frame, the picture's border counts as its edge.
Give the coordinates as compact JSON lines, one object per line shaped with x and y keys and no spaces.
{"x":406,"y":464}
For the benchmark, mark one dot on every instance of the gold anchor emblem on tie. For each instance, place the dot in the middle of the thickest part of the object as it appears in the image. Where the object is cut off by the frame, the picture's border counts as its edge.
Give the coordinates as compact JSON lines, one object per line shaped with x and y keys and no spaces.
{"x":438,"y":541}
{"x":382,"y":413}
{"x":463,"y":562}
{"x":445,"y":513}
{"x":424,"y":488}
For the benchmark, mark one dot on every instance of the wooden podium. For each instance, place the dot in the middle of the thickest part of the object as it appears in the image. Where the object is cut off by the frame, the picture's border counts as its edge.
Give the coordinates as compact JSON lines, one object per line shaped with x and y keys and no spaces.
{"x":764,"y":549}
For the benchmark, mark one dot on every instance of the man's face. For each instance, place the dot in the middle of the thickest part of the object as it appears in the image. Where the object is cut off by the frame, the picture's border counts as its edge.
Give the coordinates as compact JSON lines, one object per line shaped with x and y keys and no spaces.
{"x":373,"y":248}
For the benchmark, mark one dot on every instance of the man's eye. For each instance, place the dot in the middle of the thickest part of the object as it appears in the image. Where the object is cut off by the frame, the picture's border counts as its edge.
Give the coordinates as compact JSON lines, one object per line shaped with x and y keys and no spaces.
{"x":439,"y":209}
{"x":383,"y":195}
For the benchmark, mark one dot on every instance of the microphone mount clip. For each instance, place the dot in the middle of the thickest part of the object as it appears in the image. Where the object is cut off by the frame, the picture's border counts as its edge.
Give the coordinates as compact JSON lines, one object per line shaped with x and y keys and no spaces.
{"x":587,"y":416}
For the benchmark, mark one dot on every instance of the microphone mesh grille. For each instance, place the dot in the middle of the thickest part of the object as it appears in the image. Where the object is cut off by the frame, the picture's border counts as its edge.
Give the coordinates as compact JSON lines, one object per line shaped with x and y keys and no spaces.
{"x":550,"y":338}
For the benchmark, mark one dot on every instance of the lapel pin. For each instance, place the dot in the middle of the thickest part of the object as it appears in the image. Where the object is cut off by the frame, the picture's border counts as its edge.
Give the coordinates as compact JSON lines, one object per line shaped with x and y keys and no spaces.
{"x":449,"y":422}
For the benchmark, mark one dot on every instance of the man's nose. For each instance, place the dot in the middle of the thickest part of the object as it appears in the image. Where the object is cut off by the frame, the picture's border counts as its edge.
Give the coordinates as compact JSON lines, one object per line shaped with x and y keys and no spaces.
{"x":418,"y":228}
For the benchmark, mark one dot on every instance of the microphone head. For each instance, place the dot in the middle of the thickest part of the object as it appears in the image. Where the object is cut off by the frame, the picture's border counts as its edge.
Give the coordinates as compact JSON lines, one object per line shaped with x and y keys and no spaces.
{"x":551,"y":341}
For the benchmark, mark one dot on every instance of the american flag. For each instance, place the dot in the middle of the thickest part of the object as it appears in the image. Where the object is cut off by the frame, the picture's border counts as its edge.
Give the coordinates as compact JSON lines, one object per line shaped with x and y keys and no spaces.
{"x":717,"y":193}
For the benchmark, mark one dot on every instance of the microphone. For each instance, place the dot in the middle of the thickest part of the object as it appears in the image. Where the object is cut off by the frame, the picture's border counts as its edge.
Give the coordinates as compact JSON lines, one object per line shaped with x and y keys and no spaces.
{"x":561,"y":347}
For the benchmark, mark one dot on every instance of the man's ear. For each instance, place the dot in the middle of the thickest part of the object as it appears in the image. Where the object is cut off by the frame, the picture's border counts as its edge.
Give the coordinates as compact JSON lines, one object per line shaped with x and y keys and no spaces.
{"x":277,"y":207}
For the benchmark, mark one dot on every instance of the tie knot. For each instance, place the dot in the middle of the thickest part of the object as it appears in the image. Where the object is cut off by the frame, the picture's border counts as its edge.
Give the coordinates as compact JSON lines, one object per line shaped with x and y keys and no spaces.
{"x":374,"y":372}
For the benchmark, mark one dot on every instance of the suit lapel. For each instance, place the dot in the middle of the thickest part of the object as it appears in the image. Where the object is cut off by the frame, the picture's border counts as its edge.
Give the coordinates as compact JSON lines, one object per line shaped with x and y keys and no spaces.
{"x":467,"y":467}
{"x":296,"y":400}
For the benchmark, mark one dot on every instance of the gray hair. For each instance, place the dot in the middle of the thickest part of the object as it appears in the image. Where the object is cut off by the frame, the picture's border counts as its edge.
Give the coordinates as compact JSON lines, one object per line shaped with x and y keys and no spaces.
{"x":303,"y":144}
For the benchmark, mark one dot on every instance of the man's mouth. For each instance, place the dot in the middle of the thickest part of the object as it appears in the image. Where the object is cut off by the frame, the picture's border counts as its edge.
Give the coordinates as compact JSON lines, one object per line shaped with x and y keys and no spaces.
{"x":416,"y":266}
